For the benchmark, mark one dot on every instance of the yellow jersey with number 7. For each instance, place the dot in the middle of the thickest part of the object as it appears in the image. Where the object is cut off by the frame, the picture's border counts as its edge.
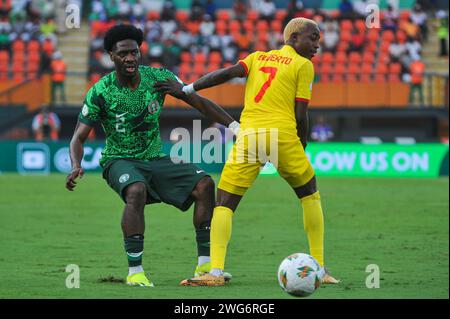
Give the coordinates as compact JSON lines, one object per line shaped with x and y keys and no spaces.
{"x":275,"y":80}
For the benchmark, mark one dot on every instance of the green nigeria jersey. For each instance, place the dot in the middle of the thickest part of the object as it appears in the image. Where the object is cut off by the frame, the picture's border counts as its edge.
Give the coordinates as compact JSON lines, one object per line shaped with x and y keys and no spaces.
{"x":130,"y":118}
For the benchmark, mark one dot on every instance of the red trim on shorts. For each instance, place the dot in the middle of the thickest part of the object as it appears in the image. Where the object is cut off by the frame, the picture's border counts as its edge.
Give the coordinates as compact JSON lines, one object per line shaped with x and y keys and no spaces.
{"x":299,"y":99}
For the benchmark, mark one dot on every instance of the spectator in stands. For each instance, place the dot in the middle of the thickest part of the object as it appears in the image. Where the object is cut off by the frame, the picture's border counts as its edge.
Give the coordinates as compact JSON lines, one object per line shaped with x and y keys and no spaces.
{"x":411,"y":29}
{"x":330,"y":37}
{"x":184,"y":38}
{"x":359,"y":7}
{"x":5,"y":7}
{"x":230,"y":53}
{"x":210,"y":8}
{"x":413,"y":48}
{"x":240,"y":8}
{"x":357,"y":41}
{"x":59,"y":69}
{"x":155,"y":48}
{"x":138,"y":12}
{"x":346,"y":10}
{"x":48,"y":31}
{"x":18,"y":9}
{"x":168,"y":10}
{"x":442,"y":32}
{"x":321,"y":131}
{"x":207,"y":26}
{"x":168,"y":28}
{"x":98,"y":11}
{"x":46,"y":125}
{"x":267,"y":10}
{"x":419,"y":17}
{"x":390,"y":21}
{"x":60,"y":16}
{"x":197,"y":11}
{"x":171,"y":54}
{"x":417,"y":70}
{"x":124,"y":9}
{"x":397,"y":51}
{"x":154,"y":30}
{"x":244,"y":40}
{"x":48,"y":9}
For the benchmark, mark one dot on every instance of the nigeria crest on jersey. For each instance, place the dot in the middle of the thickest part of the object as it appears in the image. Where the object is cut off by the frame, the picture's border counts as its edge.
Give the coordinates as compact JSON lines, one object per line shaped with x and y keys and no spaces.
{"x":153,"y":107}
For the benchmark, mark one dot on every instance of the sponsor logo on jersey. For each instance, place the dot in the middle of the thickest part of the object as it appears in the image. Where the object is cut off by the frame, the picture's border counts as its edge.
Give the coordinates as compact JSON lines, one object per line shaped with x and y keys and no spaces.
{"x":123,"y":178}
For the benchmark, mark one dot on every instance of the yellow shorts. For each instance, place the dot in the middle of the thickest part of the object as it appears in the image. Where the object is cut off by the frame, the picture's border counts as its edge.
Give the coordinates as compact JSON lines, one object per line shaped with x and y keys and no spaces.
{"x":245,"y":161}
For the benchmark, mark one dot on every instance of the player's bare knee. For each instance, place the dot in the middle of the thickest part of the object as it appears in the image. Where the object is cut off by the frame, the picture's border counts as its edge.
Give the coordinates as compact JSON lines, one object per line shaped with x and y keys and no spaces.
{"x":204,"y":188}
{"x":136,"y":194}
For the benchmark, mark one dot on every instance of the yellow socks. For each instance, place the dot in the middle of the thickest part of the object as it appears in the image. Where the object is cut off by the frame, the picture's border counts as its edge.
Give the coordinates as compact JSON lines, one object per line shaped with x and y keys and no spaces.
{"x":313,"y":224}
{"x":220,"y":235}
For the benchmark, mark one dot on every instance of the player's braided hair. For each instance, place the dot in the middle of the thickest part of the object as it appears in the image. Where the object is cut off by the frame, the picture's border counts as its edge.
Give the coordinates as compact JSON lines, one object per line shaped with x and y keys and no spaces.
{"x":296,"y":25}
{"x":122,"y":32}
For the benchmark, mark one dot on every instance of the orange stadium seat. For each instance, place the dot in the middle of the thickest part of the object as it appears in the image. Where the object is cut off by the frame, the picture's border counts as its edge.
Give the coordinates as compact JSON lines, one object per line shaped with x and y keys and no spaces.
{"x":185,"y":57}
{"x":252,"y":15}
{"x":234,"y":26}
{"x":343,"y":46}
{"x":185,"y":68}
{"x":346,"y":25}
{"x":243,"y":55}
{"x":221,"y":26}
{"x":326,"y":68}
{"x":249,"y":26}
{"x":18,"y":45}
{"x":371,"y":47}
{"x":338,"y":78}
{"x":340,"y":68}
{"x":341,"y":58}
{"x":394,"y":78}
{"x":4,"y":57}
{"x":384,"y":58}
{"x":382,"y":69}
{"x":352,"y":78}
{"x":395,"y":68}
{"x":280,"y":15}
{"x":34,"y":57}
{"x":276,"y":26}
{"x":215,"y":57}
{"x":193,"y":27}
{"x":384,"y":47}
{"x":380,"y":78}
{"x":373,"y":35}
{"x":346,"y":36}
{"x":18,"y":56}
{"x":366,"y":69}
{"x":199,"y":69}
{"x":155,"y":15}
{"x":354,"y":69}
{"x":388,"y":36}
{"x":327,"y":58}
{"x":181,"y":16}
{"x":262,"y":26}
{"x":401,"y":36}
{"x":223,"y":15}
{"x":365,"y":78}
{"x":404,"y":15}
{"x":325,"y":77}
{"x":200,"y":57}
{"x":355,"y":58}
{"x":34,"y":46}
{"x":368,"y":57}
{"x":361,"y":25}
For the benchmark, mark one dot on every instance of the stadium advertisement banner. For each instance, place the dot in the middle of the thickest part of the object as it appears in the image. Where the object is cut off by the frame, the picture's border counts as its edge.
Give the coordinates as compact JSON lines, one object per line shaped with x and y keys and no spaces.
{"x":328,"y":159}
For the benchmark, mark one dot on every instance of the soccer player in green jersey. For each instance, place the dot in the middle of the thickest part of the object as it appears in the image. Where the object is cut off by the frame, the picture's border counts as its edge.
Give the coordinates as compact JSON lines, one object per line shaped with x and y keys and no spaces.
{"x":127,"y":105}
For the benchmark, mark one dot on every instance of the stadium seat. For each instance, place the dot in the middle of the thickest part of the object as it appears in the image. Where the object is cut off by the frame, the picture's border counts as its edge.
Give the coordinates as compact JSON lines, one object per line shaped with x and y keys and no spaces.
{"x":221,"y":26}
{"x":327,"y":58}
{"x":340,"y":69}
{"x":371,"y":47}
{"x":368,"y":57}
{"x":215,"y":57}
{"x":47,"y":47}
{"x":243,"y":55}
{"x":365,"y":78}
{"x":261,"y":46}
{"x":388,"y":36}
{"x":32,"y":67}
{"x":153,"y":15}
{"x":354,"y":58}
{"x":361,"y":25}
{"x":223,"y":15}
{"x":185,"y":57}
{"x":382,"y":69}
{"x":33,"y":46}
{"x":338,"y":78}
{"x":18,"y":45}
{"x":341,"y":58}
{"x":352,"y":78}
{"x":262,"y":26}
{"x":181,"y":16}
{"x":326,"y":68}
{"x":346,"y":25}
{"x":366,"y":68}
{"x":34,"y":57}
{"x":263,"y":37}
{"x":384,"y":58}
{"x":373,"y":35}
{"x":252,"y":15}
{"x":343,"y":47}
{"x":200,"y":57}
{"x":276,"y":26}
{"x":193,"y":27}
{"x":199,"y":69}
{"x":401,"y":36}
{"x":354,"y":69}
{"x":404,"y":15}
{"x":395,"y":68}
{"x":185,"y":68}
{"x":280,"y":15}
{"x":249,"y":26}
{"x":234,"y":26}
{"x":384,"y":47}
{"x":325,"y":78}
{"x":18,"y":56}
{"x":345,"y":36}
{"x":4,"y":57}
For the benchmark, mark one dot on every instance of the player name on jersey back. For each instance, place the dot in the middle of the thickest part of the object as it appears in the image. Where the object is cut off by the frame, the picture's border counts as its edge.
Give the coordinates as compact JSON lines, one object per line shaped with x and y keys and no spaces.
{"x":275,"y":58}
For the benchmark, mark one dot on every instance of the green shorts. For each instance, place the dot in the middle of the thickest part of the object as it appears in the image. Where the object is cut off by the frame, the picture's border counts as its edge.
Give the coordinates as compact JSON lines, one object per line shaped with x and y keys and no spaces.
{"x":165,"y":181}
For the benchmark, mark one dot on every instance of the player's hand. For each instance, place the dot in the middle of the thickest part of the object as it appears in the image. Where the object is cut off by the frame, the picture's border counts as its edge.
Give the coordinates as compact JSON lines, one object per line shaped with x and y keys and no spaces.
{"x":170,"y":87}
{"x":74,"y":174}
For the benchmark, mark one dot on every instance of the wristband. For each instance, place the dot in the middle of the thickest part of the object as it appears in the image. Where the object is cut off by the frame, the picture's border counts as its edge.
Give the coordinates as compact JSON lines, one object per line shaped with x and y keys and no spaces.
{"x":188,"y":89}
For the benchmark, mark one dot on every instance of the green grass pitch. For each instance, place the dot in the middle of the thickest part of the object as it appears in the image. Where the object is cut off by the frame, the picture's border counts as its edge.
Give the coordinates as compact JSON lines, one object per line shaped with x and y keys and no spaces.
{"x":401,"y":225}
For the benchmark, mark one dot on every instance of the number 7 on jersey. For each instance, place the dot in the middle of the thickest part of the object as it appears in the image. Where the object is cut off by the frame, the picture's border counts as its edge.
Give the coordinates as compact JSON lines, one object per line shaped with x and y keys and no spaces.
{"x":272,"y":73}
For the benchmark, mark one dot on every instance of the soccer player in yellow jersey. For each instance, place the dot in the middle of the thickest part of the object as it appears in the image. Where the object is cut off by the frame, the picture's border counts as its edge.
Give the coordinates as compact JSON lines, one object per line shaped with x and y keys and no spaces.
{"x":278,"y":89}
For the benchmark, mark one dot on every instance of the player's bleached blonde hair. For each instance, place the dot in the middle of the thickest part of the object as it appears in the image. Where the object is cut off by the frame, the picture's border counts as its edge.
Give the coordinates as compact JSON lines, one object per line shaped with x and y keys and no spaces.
{"x":297,"y":25}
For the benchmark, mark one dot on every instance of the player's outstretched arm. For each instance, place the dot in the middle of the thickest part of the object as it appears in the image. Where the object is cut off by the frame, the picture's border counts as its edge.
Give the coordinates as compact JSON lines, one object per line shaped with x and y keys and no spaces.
{"x":207,"y":107}
{"x":76,"y":154}
{"x":216,"y":78}
{"x":301,"y":115}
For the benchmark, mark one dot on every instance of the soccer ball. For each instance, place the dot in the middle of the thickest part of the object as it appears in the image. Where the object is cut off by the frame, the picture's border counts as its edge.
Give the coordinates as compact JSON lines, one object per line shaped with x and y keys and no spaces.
{"x":300,"y":275}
